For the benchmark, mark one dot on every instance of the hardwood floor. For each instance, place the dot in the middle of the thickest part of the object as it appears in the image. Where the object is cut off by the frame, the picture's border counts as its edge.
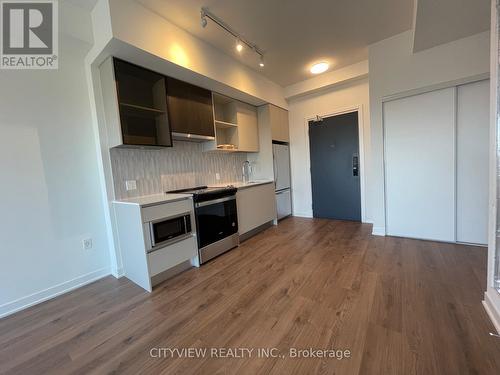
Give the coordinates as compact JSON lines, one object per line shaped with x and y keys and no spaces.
{"x":399,"y":306}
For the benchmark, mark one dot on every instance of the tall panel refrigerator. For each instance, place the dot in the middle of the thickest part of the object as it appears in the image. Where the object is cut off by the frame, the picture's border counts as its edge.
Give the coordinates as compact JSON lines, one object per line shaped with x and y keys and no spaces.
{"x":281,"y":158}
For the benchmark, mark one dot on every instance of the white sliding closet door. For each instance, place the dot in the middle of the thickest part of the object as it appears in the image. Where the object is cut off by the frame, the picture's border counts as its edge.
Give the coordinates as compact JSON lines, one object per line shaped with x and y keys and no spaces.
{"x":472,"y":162}
{"x":420,"y":165}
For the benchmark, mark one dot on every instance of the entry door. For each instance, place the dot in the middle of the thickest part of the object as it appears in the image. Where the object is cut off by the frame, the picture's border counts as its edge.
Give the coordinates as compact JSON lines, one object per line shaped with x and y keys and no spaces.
{"x":334,"y":148}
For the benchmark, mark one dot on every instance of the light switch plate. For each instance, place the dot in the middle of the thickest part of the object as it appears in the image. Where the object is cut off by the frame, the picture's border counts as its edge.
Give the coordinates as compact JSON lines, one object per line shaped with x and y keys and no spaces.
{"x":131,"y":185}
{"x":217,"y":176}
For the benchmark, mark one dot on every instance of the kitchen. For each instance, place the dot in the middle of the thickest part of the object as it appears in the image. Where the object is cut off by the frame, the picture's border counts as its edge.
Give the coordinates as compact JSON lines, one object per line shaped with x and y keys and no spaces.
{"x":189,"y":179}
{"x":313,"y":184}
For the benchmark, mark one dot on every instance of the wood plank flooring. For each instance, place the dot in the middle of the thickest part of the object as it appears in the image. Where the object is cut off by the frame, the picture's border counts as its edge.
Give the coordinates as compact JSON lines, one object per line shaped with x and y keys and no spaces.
{"x":399,"y":306}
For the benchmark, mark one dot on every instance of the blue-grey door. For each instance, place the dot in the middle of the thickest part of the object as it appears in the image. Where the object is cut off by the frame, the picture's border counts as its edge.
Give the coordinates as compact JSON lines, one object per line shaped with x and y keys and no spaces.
{"x":334,"y":147}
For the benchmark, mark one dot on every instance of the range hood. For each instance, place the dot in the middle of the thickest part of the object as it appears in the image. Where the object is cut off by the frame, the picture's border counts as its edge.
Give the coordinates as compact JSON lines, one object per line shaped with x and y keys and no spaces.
{"x":191,"y":137}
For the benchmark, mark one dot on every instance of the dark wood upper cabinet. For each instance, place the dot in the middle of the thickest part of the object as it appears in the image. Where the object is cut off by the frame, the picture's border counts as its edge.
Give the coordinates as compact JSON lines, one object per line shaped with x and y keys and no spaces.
{"x":142,"y":102}
{"x":190,"y":109}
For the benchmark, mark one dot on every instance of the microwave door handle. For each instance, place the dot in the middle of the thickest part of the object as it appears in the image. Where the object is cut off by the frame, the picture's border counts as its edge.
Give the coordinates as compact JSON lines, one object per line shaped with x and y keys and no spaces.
{"x":152,"y":234}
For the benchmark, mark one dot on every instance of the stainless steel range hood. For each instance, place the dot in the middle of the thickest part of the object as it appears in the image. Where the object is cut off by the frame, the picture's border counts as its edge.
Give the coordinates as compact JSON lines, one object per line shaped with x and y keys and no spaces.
{"x":191,"y":137}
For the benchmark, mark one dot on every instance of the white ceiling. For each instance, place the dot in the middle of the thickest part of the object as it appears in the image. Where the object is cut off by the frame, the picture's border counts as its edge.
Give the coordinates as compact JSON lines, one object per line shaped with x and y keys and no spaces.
{"x":85,"y":4}
{"x":294,"y":33}
{"x":443,"y":21}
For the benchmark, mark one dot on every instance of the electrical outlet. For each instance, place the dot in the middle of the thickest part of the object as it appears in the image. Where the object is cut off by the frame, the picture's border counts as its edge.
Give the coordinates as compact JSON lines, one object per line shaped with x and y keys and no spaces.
{"x":87,"y":243}
{"x":217,"y":176}
{"x":130,"y":185}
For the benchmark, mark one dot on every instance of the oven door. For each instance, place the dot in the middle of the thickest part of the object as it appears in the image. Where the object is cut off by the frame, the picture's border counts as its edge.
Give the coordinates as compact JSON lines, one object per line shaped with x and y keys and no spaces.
{"x":169,"y":230}
{"x":216,"y":219}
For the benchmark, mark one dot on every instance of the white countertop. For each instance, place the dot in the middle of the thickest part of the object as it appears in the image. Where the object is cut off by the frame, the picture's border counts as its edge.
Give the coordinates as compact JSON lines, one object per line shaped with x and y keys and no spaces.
{"x":151,"y":200}
{"x":244,"y":185}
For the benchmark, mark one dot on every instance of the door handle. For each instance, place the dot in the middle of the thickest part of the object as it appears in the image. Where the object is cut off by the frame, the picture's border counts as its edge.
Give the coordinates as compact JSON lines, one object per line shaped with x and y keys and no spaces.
{"x":355,"y":165}
{"x":275,"y":171}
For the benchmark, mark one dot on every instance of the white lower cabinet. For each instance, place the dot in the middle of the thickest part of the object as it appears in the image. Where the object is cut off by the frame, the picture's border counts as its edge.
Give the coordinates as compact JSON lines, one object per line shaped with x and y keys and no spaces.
{"x":144,"y":262}
{"x":256,"y":207}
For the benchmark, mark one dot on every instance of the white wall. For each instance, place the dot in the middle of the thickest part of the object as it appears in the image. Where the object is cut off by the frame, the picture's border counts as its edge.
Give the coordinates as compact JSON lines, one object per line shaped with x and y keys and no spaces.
{"x":50,"y":192}
{"x":395,"y":69}
{"x":491,"y":296}
{"x":338,"y":98}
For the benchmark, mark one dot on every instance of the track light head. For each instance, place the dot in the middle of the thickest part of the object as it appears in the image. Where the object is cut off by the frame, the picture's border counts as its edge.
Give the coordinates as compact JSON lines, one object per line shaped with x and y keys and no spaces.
{"x":239,"y":45}
{"x":203,"y":16}
{"x":241,"y":42}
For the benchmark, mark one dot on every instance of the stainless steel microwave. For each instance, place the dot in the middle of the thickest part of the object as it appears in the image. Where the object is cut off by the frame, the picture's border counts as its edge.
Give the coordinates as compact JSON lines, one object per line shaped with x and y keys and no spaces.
{"x":169,"y":230}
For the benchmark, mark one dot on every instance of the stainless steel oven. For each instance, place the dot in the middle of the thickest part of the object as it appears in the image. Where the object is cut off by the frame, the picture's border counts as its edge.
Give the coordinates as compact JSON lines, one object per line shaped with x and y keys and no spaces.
{"x":216,"y":219}
{"x":169,"y":230}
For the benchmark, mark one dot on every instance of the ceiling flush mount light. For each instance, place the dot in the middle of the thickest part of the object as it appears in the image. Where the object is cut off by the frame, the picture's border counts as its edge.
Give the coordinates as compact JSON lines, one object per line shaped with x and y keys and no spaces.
{"x":319,"y":67}
{"x":241,"y":42}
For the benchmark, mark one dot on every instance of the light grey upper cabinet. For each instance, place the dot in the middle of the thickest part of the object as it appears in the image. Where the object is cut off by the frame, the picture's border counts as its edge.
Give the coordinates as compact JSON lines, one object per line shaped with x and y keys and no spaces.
{"x":279,"y":124}
{"x":248,"y":131}
{"x":236,"y":126}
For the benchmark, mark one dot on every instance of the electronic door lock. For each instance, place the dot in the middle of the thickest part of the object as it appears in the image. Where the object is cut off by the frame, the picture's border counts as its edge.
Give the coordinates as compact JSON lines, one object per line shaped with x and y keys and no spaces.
{"x":355,"y":165}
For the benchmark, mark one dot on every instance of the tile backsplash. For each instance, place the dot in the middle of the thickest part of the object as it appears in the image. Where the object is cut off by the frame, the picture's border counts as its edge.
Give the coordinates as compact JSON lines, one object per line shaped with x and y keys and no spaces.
{"x":182,"y":166}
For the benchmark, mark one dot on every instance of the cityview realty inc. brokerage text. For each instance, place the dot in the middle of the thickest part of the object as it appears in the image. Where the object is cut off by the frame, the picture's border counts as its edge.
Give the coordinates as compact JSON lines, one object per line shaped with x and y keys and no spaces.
{"x":242,"y":352}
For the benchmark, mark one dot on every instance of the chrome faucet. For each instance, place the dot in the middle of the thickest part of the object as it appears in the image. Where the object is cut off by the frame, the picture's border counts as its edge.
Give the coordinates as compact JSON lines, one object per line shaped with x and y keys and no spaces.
{"x":247,"y":171}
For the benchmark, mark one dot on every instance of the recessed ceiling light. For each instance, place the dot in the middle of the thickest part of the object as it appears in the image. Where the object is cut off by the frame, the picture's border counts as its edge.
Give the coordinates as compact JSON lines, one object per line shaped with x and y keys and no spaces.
{"x":319,"y":68}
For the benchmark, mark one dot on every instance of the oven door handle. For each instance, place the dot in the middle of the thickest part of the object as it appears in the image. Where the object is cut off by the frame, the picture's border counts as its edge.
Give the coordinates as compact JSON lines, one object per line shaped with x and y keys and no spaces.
{"x":215,"y":201}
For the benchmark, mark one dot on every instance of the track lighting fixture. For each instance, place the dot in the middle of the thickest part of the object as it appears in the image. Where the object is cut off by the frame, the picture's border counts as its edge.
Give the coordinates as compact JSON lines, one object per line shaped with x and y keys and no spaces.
{"x":240,"y":40}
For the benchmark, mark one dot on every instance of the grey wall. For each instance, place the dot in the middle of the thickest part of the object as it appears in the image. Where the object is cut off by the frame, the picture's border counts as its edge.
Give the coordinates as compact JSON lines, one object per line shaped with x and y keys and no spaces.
{"x":182,"y":166}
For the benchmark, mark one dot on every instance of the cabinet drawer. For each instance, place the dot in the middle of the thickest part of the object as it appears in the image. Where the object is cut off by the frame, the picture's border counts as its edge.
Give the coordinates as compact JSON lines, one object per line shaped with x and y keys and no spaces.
{"x":170,"y":256}
{"x":166,"y":210}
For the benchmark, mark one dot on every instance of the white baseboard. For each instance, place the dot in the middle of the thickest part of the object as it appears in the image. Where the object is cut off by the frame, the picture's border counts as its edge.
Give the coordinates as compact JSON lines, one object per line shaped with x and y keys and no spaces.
{"x":303,"y":214}
{"x":118,"y":272}
{"x":492,"y":312}
{"x":378,"y":231}
{"x":54,"y":291}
